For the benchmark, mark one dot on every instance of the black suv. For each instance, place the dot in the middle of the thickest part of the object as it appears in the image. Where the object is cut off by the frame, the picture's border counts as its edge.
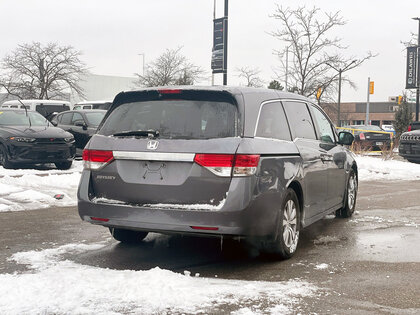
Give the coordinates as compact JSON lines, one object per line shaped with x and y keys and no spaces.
{"x":216,"y":161}
{"x":409,"y":147}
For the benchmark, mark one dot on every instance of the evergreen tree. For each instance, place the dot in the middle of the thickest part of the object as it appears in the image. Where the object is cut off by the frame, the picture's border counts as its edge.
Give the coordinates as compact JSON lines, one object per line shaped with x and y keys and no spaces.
{"x":403,"y":117}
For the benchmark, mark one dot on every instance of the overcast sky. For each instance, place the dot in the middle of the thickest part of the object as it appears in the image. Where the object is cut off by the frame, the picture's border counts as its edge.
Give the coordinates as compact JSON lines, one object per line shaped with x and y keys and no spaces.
{"x":111,"y":34}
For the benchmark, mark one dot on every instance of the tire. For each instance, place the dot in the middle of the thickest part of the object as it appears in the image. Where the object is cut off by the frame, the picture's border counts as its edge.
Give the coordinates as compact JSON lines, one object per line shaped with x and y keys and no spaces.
{"x":63,"y":165}
{"x":350,"y":197}
{"x":127,"y":236}
{"x":4,"y":160}
{"x":286,"y":238}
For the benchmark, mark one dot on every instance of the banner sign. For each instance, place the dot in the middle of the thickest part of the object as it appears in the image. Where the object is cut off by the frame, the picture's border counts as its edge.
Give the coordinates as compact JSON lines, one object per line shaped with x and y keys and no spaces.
{"x":218,"y":56}
{"x":411,"y":78}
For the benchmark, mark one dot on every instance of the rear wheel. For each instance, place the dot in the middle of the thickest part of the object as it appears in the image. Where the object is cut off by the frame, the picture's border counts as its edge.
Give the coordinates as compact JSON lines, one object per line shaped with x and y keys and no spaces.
{"x":287,"y":236}
{"x":350,"y":198}
{"x":127,"y":236}
{"x":63,"y":165}
{"x":4,"y":160}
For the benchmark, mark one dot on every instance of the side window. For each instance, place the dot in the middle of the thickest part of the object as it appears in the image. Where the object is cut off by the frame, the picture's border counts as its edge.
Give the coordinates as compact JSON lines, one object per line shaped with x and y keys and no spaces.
{"x":87,"y":107}
{"x":272,"y":122}
{"x":66,"y":118}
{"x":77,"y":118}
{"x":326,"y":133}
{"x":300,"y":120}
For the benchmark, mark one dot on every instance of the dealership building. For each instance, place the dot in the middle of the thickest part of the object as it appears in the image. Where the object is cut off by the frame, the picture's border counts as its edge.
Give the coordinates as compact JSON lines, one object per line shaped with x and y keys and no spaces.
{"x":380,"y":113}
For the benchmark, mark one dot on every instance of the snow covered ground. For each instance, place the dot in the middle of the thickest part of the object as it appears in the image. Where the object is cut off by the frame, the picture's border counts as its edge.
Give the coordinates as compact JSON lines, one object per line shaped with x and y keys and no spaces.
{"x":28,"y":189}
{"x":375,"y":168}
{"x":57,"y":286}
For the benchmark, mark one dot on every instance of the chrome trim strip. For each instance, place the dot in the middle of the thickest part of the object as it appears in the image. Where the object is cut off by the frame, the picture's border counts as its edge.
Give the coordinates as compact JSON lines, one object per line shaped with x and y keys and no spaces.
{"x":154,"y":156}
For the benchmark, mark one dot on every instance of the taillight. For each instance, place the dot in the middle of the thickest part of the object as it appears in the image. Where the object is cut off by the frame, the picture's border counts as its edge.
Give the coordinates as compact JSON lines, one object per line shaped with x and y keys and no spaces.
{"x":362,"y":136}
{"x":409,"y":127}
{"x":170,"y":91}
{"x":245,"y":164}
{"x":218,"y":164}
{"x":227,"y":165}
{"x":96,"y":159}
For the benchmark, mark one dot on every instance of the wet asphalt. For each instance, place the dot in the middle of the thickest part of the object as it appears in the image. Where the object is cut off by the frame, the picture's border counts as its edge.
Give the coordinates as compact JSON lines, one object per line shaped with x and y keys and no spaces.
{"x":371,"y":261}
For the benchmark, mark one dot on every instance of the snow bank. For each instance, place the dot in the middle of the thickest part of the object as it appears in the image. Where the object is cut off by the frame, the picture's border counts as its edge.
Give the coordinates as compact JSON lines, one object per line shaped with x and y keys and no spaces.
{"x":371,"y":168}
{"x":63,"y":287}
{"x":27,"y":189}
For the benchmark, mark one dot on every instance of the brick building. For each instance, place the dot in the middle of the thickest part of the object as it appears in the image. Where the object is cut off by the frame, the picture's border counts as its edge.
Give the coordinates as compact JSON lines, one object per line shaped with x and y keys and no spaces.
{"x":380,"y":113}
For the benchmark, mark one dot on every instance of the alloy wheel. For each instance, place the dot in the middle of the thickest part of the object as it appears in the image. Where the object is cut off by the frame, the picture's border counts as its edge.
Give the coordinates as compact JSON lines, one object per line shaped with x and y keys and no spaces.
{"x":290,"y":231}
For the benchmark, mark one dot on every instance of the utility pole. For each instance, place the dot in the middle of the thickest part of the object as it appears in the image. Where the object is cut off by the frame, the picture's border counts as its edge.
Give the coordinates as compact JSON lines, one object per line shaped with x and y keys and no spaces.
{"x":226,"y":43}
{"x":367,"y":103}
{"x":340,"y":71}
{"x":287,"y":66}
{"x":339,"y":97}
{"x":143,"y":57}
{"x":214,"y":17}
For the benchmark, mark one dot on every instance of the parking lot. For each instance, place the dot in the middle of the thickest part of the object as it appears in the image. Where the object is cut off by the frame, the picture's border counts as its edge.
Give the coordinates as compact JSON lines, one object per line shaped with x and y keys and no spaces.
{"x":367,"y":264}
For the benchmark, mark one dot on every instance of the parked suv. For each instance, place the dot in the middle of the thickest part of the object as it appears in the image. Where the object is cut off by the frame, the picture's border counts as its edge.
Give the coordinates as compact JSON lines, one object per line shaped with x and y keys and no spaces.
{"x":216,"y":161}
{"x":82,"y":124}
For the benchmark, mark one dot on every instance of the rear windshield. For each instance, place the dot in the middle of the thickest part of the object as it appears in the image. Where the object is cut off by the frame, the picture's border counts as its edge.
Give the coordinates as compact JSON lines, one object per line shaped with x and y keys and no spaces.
{"x":94,"y":118}
{"x":183,"y":119}
{"x":46,"y":110}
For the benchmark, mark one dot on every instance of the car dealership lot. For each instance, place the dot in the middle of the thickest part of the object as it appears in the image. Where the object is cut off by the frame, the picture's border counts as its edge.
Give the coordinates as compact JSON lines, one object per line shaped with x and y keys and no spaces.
{"x":365,"y":264}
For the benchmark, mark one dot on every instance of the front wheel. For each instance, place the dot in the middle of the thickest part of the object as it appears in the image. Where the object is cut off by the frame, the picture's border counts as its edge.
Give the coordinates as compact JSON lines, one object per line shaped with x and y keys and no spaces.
{"x":127,"y":236}
{"x":287,"y":236}
{"x":4,"y":160}
{"x":350,"y":198}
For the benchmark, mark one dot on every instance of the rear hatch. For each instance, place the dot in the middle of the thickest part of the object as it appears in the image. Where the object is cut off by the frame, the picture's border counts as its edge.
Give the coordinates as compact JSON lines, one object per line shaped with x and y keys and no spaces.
{"x":166,"y":148}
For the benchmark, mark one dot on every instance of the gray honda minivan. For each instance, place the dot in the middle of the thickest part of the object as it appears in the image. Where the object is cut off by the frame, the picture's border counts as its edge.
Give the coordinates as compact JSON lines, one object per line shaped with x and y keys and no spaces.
{"x":216,"y":161}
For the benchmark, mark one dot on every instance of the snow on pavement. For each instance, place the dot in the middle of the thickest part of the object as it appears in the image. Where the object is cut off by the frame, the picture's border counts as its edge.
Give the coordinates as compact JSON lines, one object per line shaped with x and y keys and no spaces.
{"x":57,"y":286}
{"x":28,"y":189}
{"x":371,"y":168}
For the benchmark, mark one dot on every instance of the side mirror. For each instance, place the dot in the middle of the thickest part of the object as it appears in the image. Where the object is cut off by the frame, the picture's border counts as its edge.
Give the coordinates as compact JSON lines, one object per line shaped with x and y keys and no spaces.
{"x":81,"y":124}
{"x":345,"y":138}
{"x":54,"y":123}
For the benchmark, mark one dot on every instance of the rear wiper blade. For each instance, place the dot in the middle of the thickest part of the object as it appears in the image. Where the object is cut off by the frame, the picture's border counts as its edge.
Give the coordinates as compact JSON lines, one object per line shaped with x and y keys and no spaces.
{"x":138,"y":133}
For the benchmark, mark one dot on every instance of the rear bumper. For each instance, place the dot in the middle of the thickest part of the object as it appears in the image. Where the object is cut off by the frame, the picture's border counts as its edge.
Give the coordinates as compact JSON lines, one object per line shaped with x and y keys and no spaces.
{"x":41,"y":153}
{"x":374,"y":144}
{"x":256,"y":217}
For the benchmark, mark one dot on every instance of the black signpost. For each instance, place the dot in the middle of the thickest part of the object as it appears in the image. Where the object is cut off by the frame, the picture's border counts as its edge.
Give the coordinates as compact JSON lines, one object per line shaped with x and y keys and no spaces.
{"x":220,"y":44}
{"x":412,"y":80}
{"x":411,"y":77}
{"x":218,"y":57}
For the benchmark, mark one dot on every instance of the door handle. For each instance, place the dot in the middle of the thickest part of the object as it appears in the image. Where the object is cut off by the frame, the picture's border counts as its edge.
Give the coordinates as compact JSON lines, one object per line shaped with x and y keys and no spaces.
{"x":326,"y":158}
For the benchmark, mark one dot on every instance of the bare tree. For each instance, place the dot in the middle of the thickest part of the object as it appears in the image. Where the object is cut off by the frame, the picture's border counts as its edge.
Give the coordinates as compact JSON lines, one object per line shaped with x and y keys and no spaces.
{"x":170,"y":68}
{"x":314,"y":54}
{"x":251,"y":76}
{"x":42,"y":72}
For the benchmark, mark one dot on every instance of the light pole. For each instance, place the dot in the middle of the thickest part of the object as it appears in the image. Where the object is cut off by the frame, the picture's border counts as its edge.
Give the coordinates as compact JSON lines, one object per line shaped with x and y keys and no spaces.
{"x":340,"y":71}
{"x":143,"y":57}
{"x":418,"y":70}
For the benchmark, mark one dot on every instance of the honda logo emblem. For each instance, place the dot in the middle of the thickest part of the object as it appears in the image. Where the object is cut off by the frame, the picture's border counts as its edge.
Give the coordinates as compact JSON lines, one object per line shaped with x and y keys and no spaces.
{"x":152,"y":144}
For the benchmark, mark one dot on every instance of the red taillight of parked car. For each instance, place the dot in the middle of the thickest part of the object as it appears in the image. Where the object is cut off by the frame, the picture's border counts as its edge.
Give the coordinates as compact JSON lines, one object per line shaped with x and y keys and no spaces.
{"x":362,"y":136}
{"x":96,"y":159}
{"x":227,"y":165}
{"x":409,"y":127}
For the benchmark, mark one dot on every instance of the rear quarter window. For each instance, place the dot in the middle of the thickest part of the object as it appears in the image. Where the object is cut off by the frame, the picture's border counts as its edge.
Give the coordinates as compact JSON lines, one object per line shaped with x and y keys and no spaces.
{"x":272,"y":122}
